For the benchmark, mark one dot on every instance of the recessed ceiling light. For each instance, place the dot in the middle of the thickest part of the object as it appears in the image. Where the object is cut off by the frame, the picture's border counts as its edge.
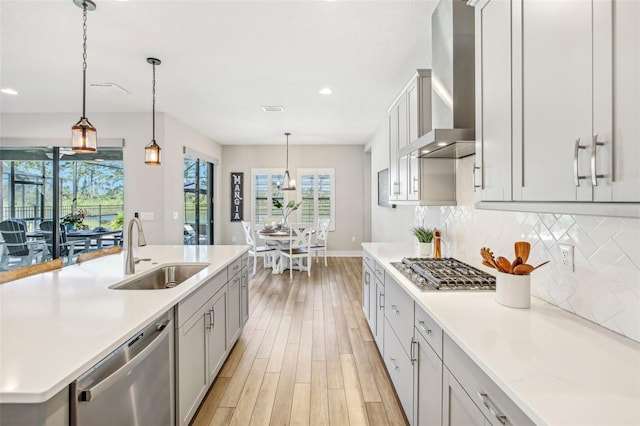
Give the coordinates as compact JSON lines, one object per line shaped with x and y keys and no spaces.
{"x":9,"y":91}
{"x":325,"y":91}
{"x":443,"y":143}
{"x":272,"y":108}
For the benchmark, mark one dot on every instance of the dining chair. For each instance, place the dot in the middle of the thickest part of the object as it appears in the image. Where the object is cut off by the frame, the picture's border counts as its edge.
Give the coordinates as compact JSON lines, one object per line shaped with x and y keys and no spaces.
{"x":83,"y":257}
{"x":321,"y":240}
{"x":266,"y":252}
{"x":67,"y":248}
{"x":17,"y":250}
{"x":300,"y":241}
{"x":27,"y":271}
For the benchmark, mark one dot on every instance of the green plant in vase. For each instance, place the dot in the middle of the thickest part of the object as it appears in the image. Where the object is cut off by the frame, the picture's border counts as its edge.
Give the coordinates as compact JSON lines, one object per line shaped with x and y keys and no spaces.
{"x":287,"y":209}
{"x":425,"y":238}
{"x":75,"y":220}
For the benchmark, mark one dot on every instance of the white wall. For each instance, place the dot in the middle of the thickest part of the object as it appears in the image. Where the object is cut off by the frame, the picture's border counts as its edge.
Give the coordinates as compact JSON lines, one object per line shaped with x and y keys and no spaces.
{"x":348,"y":161}
{"x":387,"y":224}
{"x":156,"y":189}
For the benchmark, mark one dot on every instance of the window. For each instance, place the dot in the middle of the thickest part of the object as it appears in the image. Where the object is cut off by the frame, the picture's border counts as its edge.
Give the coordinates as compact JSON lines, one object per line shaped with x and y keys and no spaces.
{"x":263,"y":190}
{"x":317,"y":187}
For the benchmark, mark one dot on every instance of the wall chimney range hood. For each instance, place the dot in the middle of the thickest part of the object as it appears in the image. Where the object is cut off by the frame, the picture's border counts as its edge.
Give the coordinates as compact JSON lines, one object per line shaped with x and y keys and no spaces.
{"x":452,"y":82}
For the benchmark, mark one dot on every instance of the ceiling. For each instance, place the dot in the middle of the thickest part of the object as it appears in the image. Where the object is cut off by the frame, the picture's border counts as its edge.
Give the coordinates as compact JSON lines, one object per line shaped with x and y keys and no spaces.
{"x":221,"y":62}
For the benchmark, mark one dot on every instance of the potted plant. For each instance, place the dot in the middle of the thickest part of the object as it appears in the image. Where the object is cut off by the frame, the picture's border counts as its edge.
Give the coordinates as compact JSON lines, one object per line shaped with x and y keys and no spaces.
{"x":74,"y":220}
{"x":425,"y":238}
{"x":287,"y":209}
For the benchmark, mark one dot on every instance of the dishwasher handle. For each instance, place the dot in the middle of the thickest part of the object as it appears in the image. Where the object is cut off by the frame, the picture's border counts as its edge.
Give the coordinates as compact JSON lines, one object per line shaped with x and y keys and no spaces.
{"x":162,"y":331}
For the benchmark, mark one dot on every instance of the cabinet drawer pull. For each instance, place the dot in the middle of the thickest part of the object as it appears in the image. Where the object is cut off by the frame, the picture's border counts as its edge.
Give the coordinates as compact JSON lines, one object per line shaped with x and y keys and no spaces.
{"x":594,"y":145}
{"x":415,"y":185}
{"x":381,"y":299}
{"x":576,"y":149}
{"x":492,"y":407}
{"x":366,"y":278}
{"x":394,"y":308}
{"x":424,"y":328}
{"x":474,"y":177}
{"x":414,"y":344}
{"x":395,"y":365}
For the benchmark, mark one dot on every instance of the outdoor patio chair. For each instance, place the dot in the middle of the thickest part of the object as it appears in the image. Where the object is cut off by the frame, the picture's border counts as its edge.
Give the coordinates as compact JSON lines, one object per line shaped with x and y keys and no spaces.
{"x":68,"y":249}
{"x":17,"y":251}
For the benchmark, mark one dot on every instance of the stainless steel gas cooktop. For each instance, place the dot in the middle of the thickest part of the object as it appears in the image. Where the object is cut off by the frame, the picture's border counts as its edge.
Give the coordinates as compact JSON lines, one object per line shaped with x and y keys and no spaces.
{"x":444,"y":274}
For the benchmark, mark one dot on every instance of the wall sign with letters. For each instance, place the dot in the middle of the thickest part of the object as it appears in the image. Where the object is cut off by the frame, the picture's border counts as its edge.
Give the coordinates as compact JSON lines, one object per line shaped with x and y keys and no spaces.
{"x":237,"y":187}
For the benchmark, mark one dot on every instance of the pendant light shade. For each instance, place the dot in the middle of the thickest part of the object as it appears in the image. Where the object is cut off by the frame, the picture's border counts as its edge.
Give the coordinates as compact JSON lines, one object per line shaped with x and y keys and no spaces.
{"x":84,"y":137}
{"x":288,"y":184}
{"x":152,"y":151}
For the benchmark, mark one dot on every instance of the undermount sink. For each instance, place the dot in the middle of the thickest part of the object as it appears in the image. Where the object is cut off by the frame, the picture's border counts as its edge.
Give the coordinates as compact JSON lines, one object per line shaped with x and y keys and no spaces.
{"x":167,"y":276}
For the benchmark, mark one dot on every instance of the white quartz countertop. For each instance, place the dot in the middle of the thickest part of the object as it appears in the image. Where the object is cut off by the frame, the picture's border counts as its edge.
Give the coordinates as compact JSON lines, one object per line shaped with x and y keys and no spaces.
{"x":56,"y":325}
{"x":558,"y":368}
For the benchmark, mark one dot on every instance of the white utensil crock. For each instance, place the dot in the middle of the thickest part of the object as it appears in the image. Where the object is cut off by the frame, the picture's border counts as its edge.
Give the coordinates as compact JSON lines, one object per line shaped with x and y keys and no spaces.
{"x":513,"y":291}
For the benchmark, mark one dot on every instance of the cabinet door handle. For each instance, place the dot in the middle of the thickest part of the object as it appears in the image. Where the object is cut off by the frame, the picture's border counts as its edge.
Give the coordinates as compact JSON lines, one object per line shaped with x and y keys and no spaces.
{"x":381,"y":298}
{"x":415,"y":185}
{"x":212,"y":317}
{"x":474,"y":177}
{"x":394,"y":308}
{"x":395,"y":365}
{"x":594,"y":145}
{"x":396,"y":191}
{"x":366,"y":278}
{"x":576,"y":149}
{"x":414,"y":344}
{"x":424,"y":327}
{"x":492,"y":407}
{"x":208,"y":326}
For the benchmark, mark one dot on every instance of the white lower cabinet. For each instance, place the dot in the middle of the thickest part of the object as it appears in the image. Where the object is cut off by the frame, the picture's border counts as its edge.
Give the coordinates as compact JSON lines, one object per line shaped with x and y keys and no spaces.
{"x":436,"y":382}
{"x":400,"y":368}
{"x":458,"y":408}
{"x":427,"y":382}
{"x":209,"y":322}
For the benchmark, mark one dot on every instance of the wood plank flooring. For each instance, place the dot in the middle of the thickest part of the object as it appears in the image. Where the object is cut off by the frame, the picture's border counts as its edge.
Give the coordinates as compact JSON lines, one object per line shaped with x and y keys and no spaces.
{"x":305,"y":357}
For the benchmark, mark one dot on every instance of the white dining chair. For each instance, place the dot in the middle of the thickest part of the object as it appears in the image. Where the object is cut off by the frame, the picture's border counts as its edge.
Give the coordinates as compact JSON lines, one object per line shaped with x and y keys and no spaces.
{"x":300,"y":242}
{"x":266,"y":252}
{"x":321,"y":240}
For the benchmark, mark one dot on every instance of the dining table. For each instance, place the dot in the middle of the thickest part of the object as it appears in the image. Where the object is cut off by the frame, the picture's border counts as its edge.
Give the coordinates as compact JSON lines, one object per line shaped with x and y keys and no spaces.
{"x":282,"y":238}
{"x":89,"y":235}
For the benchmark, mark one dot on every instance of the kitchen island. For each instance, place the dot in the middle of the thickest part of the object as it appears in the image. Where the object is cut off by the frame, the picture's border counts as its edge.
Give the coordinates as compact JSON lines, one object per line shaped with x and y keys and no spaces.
{"x":54,"y":326}
{"x":556,"y":367}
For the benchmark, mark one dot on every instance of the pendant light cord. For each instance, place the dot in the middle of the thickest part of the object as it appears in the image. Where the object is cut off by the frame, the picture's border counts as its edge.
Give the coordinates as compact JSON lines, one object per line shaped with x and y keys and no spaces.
{"x":84,"y":59}
{"x":153,"y":105}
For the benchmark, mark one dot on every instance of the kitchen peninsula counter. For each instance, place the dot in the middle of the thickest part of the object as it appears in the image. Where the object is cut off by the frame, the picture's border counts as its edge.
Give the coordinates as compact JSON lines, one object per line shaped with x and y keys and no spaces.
{"x":558,"y":368}
{"x":55,"y":326}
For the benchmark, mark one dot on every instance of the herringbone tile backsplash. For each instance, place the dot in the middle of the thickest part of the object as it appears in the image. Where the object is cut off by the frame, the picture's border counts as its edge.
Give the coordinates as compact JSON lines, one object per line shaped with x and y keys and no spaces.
{"x":605,"y":286}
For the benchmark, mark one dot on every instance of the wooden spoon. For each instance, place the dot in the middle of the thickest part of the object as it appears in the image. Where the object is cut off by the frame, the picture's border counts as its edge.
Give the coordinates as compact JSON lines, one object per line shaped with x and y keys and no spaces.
{"x":517,"y":261}
{"x":523,"y":269}
{"x":487,"y":255}
{"x":522,"y":249}
{"x":543,"y":263}
{"x":485,"y":263}
{"x":504,"y":264}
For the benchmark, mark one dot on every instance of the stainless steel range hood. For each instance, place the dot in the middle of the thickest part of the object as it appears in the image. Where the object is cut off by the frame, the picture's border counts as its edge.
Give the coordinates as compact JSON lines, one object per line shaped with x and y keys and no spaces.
{"x":452,"y":82}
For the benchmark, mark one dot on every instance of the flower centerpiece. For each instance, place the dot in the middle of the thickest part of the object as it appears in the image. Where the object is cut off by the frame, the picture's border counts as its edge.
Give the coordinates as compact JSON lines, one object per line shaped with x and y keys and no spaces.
{"x":75,"y":220}
{"x":287,"y":209}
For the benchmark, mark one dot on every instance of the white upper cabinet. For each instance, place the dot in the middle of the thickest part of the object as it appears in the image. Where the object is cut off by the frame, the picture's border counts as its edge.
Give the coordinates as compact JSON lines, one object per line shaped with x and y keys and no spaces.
{"x":492,"y":170}
{"x":558,"y":101}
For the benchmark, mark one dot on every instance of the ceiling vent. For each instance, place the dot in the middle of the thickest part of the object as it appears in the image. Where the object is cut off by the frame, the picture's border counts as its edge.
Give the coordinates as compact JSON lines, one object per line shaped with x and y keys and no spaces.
{"x":272,"y":109}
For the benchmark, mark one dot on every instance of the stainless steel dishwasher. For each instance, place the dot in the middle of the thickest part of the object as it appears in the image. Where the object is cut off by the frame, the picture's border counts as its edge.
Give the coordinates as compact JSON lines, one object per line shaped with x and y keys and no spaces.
{"x":133,"y":385}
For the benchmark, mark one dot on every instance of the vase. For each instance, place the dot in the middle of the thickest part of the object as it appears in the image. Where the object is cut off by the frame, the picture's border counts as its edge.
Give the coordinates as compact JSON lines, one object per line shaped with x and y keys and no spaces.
{"x":513,"y":291}
{"x":69,"y":226}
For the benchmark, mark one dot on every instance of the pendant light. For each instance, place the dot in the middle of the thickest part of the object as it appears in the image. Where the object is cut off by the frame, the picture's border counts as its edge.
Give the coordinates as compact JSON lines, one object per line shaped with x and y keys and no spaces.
{"x":152,"y":151}
{"x":84,"y":137}
{"x":288,"y":184}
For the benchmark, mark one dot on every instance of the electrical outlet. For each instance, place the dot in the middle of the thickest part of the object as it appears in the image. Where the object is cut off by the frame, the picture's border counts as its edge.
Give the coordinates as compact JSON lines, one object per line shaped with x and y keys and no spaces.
{"x":176,"y":215}
{"x":147,"y":216}
{"x":566,"y":257}
{"x":353,"y":239}
{"x":233,"y":238}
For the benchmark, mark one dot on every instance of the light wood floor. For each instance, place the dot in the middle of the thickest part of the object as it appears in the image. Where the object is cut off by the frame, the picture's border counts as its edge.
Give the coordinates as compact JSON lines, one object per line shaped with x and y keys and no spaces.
{"x":306,"y":356}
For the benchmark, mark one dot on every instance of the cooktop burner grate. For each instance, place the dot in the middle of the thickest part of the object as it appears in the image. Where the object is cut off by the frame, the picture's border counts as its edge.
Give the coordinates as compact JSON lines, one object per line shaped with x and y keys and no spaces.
{"x":444,"y":274}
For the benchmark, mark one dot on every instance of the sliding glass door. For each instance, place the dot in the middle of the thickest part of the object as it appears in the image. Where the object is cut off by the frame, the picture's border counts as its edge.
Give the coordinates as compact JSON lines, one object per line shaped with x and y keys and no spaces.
{"x":198,"y":202}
